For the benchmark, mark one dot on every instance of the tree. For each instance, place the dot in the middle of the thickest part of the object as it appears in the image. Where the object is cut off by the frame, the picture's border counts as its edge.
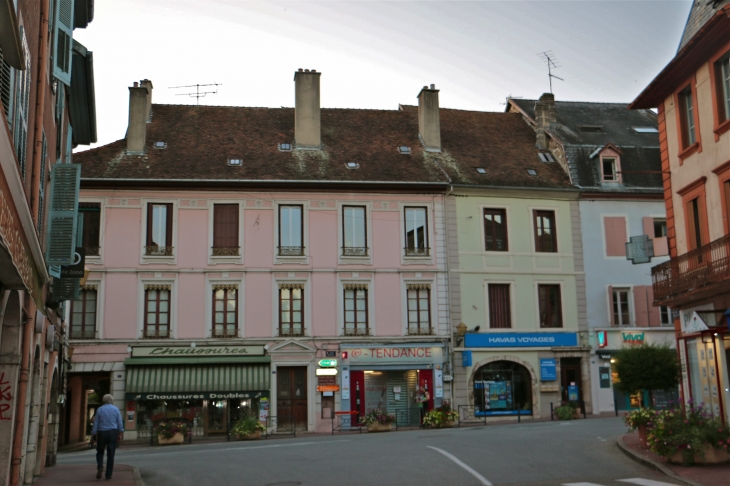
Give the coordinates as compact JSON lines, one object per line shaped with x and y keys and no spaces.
{"x":647,"y":367}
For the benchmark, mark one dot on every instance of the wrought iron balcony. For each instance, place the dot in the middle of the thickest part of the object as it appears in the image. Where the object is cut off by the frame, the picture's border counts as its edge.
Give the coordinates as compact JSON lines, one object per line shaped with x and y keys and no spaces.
{"x":291,"y":251}
{"x":225,"y":333}
{"x":350,"y":331}
{"x":91,"y":251}
{"x":696,"y":269}
{"x":155,"y":250}
{"x":418,"y":252}
{"x":226,"y":251}
{"x":156,"y":334}
{"x":293,"y":332}
{"x":354,"y":251}
{"x":85,"y":334}
{"x":419,"y":331}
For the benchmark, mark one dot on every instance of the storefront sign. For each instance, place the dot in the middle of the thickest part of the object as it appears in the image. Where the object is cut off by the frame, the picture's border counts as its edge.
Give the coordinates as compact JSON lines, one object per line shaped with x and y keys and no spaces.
{"x":465,"y":358}
{"x":573,"y":392}
{"x":76,"y":269}
{"x":521,"y":339}
{"x":438,"y":384}
{"x":327,"y":363}
{"x":326,"y":380}
{"x":604,"y":375}
{"x":325,"y":372}
{"x":395,"y":355}
{"x":345,"y":395}
{"x":201,"y":351}
{"x":548,"y":369}
{"x":632,"y":338}
{"x":194,"y":396}
{"x":328,"y":388}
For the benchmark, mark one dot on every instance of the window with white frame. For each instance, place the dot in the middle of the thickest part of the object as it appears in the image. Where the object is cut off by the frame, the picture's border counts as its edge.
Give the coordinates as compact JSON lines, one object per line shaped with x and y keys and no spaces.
{"x":354,"y":231}
{"x":225,"y":311}
{"x":356,"y":309}
{"x":83,"y":314}
{"x":620,"y":306}
{"x":159,"y":229}
{"x":157,"y":311}
{"x":416,"y":230}
{"x":291,"y":310}
{"x":665,"y":314}
{"x":291,"y":230}
{"x":609,"y":169}
{"x":419,"y":309}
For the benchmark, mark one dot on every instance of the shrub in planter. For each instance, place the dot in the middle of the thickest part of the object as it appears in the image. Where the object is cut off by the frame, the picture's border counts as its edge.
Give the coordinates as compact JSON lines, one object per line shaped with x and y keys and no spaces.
{"x":375,"y":418}
{"x":442,"y":416}
{"x":169,"y":430}
{"x":565,"y":411}
{"x":687,"y":435}
{"x":248,"y":427}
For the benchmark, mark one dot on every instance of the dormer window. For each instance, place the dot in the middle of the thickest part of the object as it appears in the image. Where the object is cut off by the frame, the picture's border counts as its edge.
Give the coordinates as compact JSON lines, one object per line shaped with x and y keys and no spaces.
{"x":531,"y":172}
{"x":481,"y":170}
{"x":160,"y":145}
{"x":285,"y":147}
{"x":646,"y":129}
{"x":234,"y":161}
{"x":609,"y":169}
{"x":403,"y":150}
{"x":591,"y":128}
{"x":353,"y":165}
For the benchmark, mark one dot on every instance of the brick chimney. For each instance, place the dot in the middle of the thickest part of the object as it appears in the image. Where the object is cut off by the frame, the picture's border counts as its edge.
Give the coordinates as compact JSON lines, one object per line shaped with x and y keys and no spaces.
{"x":140,"y":101}
{"x":544,"y":116}
{"x":307,"y":124}
{"x":429,"y":124}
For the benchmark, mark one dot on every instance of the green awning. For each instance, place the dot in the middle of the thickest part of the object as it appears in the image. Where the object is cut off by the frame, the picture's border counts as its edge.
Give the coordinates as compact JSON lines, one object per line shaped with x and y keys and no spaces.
{"x":198,"y":378}
{"x":198,"y":360}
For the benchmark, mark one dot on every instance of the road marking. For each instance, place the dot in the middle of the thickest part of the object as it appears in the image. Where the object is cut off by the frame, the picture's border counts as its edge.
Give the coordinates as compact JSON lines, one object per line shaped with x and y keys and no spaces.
{"x":468,"y":469}
{"x":644,"y":482}
{"x":581,"y":484}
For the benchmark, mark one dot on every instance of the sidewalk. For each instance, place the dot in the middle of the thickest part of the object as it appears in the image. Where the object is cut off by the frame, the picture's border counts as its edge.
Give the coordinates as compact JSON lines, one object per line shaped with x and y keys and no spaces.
{"x":68,"y":475}
{"x":714,"y":475}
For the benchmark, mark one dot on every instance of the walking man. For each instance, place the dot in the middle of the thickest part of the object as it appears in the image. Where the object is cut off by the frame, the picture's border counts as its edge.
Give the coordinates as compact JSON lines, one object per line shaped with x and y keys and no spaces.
{"x":107,"y":431}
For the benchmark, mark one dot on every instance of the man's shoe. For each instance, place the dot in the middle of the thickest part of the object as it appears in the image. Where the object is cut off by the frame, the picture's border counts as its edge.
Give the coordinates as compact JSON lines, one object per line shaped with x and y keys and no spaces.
{"x":108,"y":478}
{"x":99,"y":470}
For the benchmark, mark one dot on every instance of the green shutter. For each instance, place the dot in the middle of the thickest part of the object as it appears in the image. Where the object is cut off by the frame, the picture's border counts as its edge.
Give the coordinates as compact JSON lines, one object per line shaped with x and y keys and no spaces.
{"x":63,"y":214}
{"x":65,"y":289}
{"x":64,"y":40}
{"x":69,"y":143}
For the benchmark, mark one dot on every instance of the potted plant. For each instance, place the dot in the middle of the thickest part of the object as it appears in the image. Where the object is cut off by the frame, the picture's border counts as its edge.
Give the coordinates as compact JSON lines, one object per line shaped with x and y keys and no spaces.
{"x":639,"y":420}
{"x":377,"y":420}
{"x":441,"y":417}
{"x":688,"y":436}
{"x":172,"y":432}
{"x":248,"y":428}
{"x":565,"y":411}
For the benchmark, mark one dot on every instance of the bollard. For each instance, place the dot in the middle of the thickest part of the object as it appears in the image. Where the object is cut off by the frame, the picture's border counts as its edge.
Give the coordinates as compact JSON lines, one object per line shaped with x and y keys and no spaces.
{"x":552,"y":415}
{"x":615,"y":406}
{"x":583,"y":408}
{"x":518,"y":416}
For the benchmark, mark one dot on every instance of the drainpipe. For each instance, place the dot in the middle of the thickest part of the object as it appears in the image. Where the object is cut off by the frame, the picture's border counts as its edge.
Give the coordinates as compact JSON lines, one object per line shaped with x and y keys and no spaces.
{"x":448,"y":286}
{"x":40,"y":105}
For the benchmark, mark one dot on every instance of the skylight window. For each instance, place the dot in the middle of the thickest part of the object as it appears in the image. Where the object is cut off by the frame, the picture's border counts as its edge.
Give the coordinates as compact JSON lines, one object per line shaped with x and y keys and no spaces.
{"x":160,"y":145}
{"x":353,"y":165}
{"x":531,"y":172}
{"x":481,"y":170}
{"x":591,"y":128}
{"x":403,"y":150}
{"x":235,"y":161}
{"x":646,"y":129}
{"x":546,"y":157}
{"x":285,"y":147}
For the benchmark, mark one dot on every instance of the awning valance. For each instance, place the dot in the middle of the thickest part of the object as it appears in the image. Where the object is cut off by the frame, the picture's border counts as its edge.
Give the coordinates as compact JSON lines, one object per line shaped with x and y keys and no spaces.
{"x":198,"y":378}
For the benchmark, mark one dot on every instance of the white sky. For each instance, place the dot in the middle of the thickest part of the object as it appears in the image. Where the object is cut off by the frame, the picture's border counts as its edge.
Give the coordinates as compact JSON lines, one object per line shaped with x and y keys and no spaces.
{"x":375,"y":54}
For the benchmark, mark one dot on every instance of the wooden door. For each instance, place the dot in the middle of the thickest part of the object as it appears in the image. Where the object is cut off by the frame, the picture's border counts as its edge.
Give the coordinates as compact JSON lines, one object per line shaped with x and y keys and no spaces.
{"x":291,"y":396}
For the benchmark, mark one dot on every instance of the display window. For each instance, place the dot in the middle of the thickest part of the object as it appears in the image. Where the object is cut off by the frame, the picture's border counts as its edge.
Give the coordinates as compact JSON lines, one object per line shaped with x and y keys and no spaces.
{"x":502,"y":388}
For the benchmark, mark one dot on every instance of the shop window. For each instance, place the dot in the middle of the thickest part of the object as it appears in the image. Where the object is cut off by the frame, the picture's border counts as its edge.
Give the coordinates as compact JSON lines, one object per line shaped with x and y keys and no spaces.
{"x":356,"y":310}
{"x":545,"y":236}
{"x":502,"y":388}
{"x":291,"y":230}
{"x":157,"y":311}
{"x":159,"y":229}
{"x":551,"y":314}
{"x":83,"y":315}
{"x":665,"y":314}
{"x":499,"y":306}
{"x":687,"y":117}
{"x":225,"y":230}
{"x":89,"y":218}
{"x":495,"y":230}
{"x":620,"y":307}
{"x":416,"y":230}
{"x":291,"y":310}
{"x":354,"y":231}
{"x":225,"y":311}
{"x":419,"y":309}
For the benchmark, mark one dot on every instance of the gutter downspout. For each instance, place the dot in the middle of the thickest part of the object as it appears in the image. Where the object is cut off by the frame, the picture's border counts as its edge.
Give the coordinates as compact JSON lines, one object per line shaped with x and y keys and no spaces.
{"x":448,"y":286}
{"x":23,"y":378}
{"x":40,"y":106}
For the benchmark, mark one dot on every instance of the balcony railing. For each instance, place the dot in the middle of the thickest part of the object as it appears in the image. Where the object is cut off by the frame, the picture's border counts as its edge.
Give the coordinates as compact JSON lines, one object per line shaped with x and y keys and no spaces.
{"x":291,"y":332}
{"x":419,"y":331}
{"x":225,"y":333}
{"x":87,"y":334}
{"x":354,"y":251}
{"x":155,"y":250}
{"x":291,"y":251}
{"x":156,"y":334}
{"x":418,"y":252}
{"x":226,"y":251}
{"x":703,"y":266}
{"x":351,"y":331}
{"x":91,"y":251}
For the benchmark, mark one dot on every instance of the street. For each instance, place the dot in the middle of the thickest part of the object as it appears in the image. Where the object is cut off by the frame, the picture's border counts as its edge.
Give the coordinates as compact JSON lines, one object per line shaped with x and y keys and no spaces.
{"x":575,"y":453}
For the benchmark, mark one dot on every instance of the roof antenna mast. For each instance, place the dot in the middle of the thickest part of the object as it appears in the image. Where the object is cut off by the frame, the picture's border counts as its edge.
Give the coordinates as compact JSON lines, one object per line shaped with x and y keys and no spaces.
{"x":198,"y":94}
{"x":552,"y":63}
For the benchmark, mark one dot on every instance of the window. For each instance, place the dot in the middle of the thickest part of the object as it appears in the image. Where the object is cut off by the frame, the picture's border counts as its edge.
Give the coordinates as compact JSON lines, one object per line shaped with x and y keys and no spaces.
{"x":665,"y":315}
{"x":6,"y":87}
{"x":660,"y":228}
{"x":83,"y":315}
{"x":694,"y":217}
{"x":551,"y":314}
{"x":89,"y":218}
{"x":285,"y":147}
{"x":481,"y":170}
{"x":404,"y":150}
{"x":291,"y":225}
{"x":722,"y":77}
{"x":22,"y":107}
{"x":159,"y":229}
{"x":354,"y":231}
{"x":419,"y":309}
{"x":502,"y":387}
{"x":225,"y":230}
{"x":157,"y":311}
{"x":687,"y":117}
{"x":225,"y":311}
{"x":646,"y":129}
{"x":356,"y":310}
{"x":620,"y":307}
{"x":235,"y":161}
{"x":291,"y":310}
{"x":499,"y":306}
{"x":609,"y":172}
{"x":545,"y":237}
{"x":416,"y":232}
{"x":495,"y":230}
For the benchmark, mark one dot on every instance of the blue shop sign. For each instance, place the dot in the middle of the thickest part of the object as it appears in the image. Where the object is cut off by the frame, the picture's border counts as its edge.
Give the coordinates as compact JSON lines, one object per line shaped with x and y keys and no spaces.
{"x":521,"y":339}
{"x":548,"y":369}
{"x":465,"y":358}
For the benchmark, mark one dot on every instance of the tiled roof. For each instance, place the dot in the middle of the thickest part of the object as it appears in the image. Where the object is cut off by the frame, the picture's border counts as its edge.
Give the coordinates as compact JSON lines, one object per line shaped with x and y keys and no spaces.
{"x":640,"y":157}
{"x":699,"y":14}
{"x":200,"y":140}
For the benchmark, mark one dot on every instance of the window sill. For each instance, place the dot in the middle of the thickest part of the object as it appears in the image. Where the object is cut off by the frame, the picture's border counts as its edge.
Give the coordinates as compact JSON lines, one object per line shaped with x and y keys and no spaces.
{"x":695,"y":147}
{"x":722,"y":128}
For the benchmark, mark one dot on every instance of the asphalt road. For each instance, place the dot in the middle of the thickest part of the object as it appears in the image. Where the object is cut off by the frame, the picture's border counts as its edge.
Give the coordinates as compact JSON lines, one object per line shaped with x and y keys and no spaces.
{"x":534,"y":454}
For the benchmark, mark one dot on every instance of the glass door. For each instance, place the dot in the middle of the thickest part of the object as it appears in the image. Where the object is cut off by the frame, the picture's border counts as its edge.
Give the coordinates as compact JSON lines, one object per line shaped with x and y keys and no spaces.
{"x":215,"y":420}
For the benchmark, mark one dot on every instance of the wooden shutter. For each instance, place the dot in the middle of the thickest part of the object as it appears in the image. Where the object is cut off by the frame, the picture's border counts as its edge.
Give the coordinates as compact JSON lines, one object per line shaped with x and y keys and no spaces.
{"x":168,"y":223}
{"x":726,"y":187}
{"x":704,"y":234}
{"x":65,"y":289}
{"x":615,"y":232}
{"x":641,"y":306}
{"x":499,"y":306}
{"x":648,"y":226}
{"x":691,"y":227}
{"x":64,"y":40}
{"x":149,"y":224}
{"x":655,"y":318}
{"x":225,"y":225}
{"x":63,"y":215}
{"x":610,"y":306}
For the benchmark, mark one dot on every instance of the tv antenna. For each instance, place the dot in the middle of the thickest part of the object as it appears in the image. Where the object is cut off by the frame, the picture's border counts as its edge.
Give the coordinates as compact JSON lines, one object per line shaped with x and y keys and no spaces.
{"x":198,"y":94}
{"x":552,"y":63}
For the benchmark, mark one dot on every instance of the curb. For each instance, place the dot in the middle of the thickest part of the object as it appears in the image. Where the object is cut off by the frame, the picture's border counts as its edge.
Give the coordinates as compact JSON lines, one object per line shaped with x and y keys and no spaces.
{"x":137,"y":476}
{"x":653,"y":464}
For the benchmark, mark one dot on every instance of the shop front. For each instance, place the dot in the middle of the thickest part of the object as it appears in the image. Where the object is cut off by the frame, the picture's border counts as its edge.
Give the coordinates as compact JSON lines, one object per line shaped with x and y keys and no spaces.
{"x":207,"y":387}
{"x":388,"y":378}
{"x":510,"y":374}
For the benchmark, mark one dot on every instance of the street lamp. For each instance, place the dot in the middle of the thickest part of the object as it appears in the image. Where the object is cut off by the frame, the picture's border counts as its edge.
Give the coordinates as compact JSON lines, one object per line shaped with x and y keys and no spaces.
{"x":460,"y":333}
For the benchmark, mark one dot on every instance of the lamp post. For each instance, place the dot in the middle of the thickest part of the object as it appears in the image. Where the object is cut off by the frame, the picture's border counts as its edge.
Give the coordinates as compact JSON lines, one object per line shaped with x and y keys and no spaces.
{"x":460,"y":333}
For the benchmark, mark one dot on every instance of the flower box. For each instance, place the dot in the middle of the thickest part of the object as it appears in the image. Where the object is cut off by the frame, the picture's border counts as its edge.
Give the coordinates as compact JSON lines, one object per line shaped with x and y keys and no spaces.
{"x":177,"y":438}
{"x":711,"y":456}
{"x":256,"y":434}
{"x":376,"y":427}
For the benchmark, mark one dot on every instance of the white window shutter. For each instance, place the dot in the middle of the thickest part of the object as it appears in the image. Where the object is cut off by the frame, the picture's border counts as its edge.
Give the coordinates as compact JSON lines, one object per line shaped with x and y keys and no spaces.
{"x":63,"y":214}
{"x":64,"y":41}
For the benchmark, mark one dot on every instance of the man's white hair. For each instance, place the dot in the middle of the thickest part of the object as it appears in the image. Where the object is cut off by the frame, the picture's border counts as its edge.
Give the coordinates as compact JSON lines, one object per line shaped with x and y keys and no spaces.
{"x":107,"y":398}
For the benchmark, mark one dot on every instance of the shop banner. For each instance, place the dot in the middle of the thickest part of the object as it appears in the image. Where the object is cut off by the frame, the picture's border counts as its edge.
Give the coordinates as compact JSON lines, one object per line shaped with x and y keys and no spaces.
{"x":201,"y":351}
{"x":195,"y":396}
{"x":521,"y":339}
{"x":548,"y":369}
{"x":377,"y":355}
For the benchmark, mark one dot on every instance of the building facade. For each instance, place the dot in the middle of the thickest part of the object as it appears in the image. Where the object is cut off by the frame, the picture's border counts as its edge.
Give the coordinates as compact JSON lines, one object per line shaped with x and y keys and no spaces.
{"x":691,"y":95}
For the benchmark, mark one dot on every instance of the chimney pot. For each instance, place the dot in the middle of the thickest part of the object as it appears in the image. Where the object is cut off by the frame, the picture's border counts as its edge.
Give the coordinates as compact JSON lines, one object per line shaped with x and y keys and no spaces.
{"x":433,"y":86}
{"x":306,"y":70}
{"x":136,"y":84}
{"x":425,"y":87}
{"x":301,"y":70}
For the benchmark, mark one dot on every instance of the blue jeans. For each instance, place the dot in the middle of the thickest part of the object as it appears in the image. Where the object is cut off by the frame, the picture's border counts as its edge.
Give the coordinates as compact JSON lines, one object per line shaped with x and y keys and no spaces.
{"x":106,"y":440}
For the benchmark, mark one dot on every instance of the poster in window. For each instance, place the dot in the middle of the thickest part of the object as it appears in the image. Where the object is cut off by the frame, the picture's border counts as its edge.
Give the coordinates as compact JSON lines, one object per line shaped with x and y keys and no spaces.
{"x":500,"y":395}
